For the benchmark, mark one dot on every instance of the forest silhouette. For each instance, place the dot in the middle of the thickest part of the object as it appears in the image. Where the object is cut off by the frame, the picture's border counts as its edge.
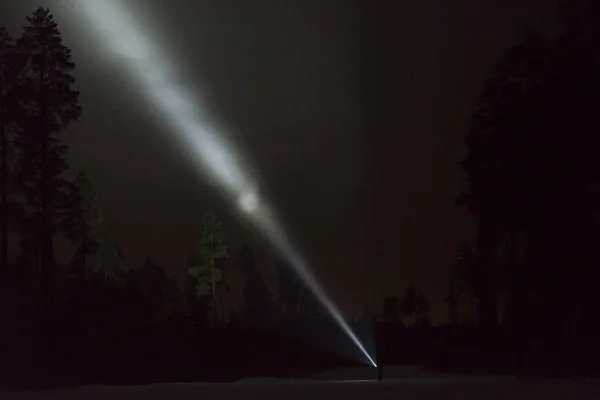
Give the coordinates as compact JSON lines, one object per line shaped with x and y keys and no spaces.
{"x":521,"y":295}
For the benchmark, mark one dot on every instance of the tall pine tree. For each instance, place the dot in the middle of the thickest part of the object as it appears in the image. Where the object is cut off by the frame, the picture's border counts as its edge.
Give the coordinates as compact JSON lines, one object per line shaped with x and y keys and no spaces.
{"x":533,"y":175}
{"x":9,"y":71}
{"x":6,"y":50}
{"x":50,"y":105}
{"x":212,"y":249}
{"x":81,"y":222}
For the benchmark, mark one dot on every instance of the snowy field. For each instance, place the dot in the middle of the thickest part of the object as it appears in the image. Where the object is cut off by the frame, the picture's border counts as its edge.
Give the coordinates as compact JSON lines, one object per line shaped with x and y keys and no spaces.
{"x":345,"y":383}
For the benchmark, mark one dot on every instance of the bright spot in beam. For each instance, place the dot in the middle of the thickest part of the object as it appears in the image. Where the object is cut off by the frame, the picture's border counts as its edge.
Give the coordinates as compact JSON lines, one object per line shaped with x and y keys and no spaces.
{"x":153,"y":72}
{"x":248,"y":202}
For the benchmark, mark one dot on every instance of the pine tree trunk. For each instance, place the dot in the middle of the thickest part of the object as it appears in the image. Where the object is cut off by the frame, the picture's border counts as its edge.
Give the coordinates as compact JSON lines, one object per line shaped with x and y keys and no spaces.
{"x":222,"y":308}
{"x":472,"y":307}
{"x":43,"y":230}
{"x":83,"y":252}
{"x":3,"y":194}
{"x":229,"y":303}
{"x":214,"y":300}
{"x":46,"y":222}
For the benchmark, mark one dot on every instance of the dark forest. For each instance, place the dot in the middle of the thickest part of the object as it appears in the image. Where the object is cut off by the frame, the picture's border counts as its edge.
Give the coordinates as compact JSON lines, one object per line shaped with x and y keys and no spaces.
{"x":521,"y":296}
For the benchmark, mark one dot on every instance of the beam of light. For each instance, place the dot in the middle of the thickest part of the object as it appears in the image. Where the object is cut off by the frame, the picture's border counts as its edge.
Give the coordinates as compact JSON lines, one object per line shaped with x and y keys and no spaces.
{"x":264,"y":219}
{"x":116,"y":30}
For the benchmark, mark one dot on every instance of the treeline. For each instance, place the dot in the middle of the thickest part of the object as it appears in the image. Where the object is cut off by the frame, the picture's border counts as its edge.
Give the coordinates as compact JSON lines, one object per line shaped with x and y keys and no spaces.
{"x":532,"y":178}
{"x":411,"y":310}
{"x":522,"y":295}
{"x":37,"y":104}
{"x":97,"y":318}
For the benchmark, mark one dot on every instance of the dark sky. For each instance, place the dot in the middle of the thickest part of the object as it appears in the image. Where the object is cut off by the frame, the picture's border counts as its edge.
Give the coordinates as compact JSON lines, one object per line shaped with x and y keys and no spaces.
{"x":352,"y":113}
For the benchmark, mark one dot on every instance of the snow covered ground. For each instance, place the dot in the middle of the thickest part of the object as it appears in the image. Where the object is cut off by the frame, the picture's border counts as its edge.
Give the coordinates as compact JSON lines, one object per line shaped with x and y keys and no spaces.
{"x":344,"y":383}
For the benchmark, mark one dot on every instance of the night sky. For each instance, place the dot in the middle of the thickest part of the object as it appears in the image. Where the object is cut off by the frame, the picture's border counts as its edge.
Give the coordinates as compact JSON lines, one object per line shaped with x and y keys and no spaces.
{"x":353,"y":115}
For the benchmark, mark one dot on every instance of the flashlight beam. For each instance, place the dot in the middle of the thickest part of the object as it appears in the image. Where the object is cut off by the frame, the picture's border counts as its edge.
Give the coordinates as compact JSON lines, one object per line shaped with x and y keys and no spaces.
{"x":147,"y":65}
{"x":275,"y":234}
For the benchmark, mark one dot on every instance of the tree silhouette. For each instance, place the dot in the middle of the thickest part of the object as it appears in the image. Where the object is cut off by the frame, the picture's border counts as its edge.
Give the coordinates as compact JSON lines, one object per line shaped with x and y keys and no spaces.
{"x":8,"y":75}
{"x":310,"y":306}
{"x":510,"y":166}
{"x":391,"y":309}
{"x":364,"y":323}
{"x":11,"y":120}
{"x":290,"y":289}
{"x":212,"y":249}
{"x":196,"y":299}
{"x":414,"y":305}
{"x":96,"y":255}
{"x":421,"y":307}
{"x":453,"y":300}
{"x":503,"y":139}
{"x":81,"y":222}
{"x":408,"y":306}
{"x":258,"y":303}
{"x":297,"y":299}
{"x":50,"y":105}
{"x":574,"y":236}
{"x":532,"y":172}
{"x":222,"y":286}
{"x":154,"y":289}
{"x":110,"y":263}
{"x":486,"y":276}
{"x":455,"y":292}
{"x":462,"y":279}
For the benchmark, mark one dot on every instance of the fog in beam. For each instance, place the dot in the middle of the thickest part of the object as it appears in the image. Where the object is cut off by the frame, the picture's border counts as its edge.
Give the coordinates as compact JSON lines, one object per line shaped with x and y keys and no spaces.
{"x":123,"y":39}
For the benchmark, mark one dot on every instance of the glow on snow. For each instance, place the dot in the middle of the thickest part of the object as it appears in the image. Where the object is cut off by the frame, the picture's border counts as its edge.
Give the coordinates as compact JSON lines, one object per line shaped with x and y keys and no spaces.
{"x":117,"y":31}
